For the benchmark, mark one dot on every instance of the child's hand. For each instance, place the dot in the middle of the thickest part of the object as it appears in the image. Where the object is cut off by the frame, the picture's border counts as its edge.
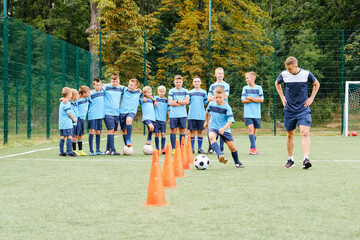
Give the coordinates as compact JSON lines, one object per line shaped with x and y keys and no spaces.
{"x":74,"y":120}
{"x":144,"y":99}
{"x":249,"y":98}
{"x":221,"y":131}
{"x":206,"y":124}
{"x":156,"y":104}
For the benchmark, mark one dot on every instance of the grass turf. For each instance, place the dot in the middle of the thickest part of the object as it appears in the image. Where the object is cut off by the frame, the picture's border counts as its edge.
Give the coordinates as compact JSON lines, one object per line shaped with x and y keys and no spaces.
{"x":43,"y":196}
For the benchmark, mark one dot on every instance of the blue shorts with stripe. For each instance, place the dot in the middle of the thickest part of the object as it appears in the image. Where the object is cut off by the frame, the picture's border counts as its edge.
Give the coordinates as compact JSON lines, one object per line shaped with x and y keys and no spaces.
{"x":80,"y":128}
{"x":122,"y":119}
{"x":254,"y":121}
{"x":194,"y":124}
{"x":178,"y":122}
{"x":148,"y":122}
{"x":95,"y":124}
{"x":161,"y":126}
{"x":226,"y":136}
{"x":111,"y":122}
{"x":66,"y":132}
{"x":302,"y":118}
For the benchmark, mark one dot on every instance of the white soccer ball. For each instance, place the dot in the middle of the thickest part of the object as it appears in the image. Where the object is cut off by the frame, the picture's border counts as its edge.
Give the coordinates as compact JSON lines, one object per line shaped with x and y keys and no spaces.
{"x":201,"y":162}
{"x":128,"y":150}
{"x":148,"y":149}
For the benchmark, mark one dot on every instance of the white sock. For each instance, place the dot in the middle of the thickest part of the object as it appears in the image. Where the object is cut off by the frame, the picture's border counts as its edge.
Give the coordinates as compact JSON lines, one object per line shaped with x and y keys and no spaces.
{"x":291,"y":157}
{"x":306,"y":157}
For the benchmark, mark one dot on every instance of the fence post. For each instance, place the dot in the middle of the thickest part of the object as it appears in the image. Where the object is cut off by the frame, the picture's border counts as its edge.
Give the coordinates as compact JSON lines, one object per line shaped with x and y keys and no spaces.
{"x":47,"y":83}
{"x":342,"y":80}
{"x":100,"y":56}
{"x":28,"y":81}
{"x":77,"y":69}
{"x":16,"y":106}
{"x":209,"y":80}
{"x":63,"y":63}
{"x":6,"y":76}
{"x":144,"y":68}
{"x":89,"y":69}
{"x":275,"y":93}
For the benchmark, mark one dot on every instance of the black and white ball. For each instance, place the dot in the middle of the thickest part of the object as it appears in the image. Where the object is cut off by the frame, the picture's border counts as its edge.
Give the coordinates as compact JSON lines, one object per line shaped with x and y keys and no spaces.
{"x":128,"y":150}
{"x":201,"y":162}
{"x":148,"y":149}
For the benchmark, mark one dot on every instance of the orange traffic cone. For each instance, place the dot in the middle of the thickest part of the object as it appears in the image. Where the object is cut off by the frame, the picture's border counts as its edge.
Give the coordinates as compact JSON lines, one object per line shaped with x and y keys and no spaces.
{"x":178,"y":164}
{"x":184,"y":155}
{"x":189,"y":152}
{"x":156,"y":193}
{"x":168,"y":170}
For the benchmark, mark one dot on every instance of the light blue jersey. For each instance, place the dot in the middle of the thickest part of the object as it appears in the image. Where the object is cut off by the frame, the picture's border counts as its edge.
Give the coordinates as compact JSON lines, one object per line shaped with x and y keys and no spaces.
{"x":65,"y":121}
{"x":219,"y":115}
{"x":175,"y":94}
{"x":74,"y":110}
{"x":96,"y":109}
{"x":223,"y":84}
{"x":162,"y":109}
{"x":112,"y":99}
{"x":83,"y":106}
{"x":148,"y":111}
{"x":197,"y":100}
{"x":130,"y":101}
{"x":252,"y":110}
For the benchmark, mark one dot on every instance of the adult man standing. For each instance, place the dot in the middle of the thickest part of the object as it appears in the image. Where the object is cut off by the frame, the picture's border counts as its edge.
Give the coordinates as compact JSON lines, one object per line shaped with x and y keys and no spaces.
{"x":297,"y":106}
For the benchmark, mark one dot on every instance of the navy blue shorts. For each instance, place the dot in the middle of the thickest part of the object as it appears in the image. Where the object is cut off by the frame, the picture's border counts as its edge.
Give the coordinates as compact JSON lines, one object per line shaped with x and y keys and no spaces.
{"x":178,"y":122}
{"x":226,"y":136}
{"x":122,"y":119}
{"x":195,"y":124}
{"x":95,"y":124}
{"x":111,"y":122}
{"x":302,"y":118}
{"x":160,"y":126}
{"x":147,"y":122}
{"x":255,"y":121}
{"x":66,"y":132}
{"x":80,"y":129}
{"x":74,"y":130}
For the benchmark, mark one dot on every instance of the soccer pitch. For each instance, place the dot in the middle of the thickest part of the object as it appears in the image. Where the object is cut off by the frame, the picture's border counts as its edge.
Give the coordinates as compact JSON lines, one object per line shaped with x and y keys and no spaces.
{"x":43,"y":196}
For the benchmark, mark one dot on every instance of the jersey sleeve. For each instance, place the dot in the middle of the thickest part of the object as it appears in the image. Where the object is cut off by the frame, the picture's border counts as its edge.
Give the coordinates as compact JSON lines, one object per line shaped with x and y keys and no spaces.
{"x":208,"y":109}
{"x":227,"y":90}
{"x":311,"y":78}
{"x":205,"y":97}
{"x":211,"y":91}
{"x":243,"y":94}
{"x":229,"y":114}
{"x":280,"y":78}
{"x":261,"y":93}
{"x":67,"y":108}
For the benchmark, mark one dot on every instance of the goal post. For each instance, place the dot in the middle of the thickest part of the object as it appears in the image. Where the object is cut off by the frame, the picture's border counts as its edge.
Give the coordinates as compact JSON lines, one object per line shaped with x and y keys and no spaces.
{"x":352,"y":107}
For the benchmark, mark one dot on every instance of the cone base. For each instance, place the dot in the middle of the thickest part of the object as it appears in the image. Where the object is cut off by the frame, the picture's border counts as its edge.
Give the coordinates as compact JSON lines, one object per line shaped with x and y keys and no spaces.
{"x":156,"y":205}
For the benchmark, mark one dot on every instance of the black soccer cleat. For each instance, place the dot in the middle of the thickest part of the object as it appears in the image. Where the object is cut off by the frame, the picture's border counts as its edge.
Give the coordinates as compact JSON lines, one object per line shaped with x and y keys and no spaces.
{"x":115,"y":153}
{"x":72,"y":154}
{"x":290,"y":163}
{"x":62,"y":154}
{"x":239,"y":165}
{"x":306,"y":164}
{"x":210,"y":151}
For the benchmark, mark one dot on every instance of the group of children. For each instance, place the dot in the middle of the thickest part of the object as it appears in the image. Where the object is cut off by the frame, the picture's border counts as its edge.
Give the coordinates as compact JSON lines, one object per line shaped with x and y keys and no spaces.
{"x":117,"y":105}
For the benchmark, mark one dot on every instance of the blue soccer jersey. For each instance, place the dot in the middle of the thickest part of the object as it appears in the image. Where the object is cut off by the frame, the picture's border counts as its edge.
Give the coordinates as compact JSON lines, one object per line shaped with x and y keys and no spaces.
{"x":252,"y":110}
{"x":175,"y":94}
{"x":65,"y":121}
{"x":219,"y":115}
{"x":148,"y":111}
{"x":130,"y":101}
{"x":96,"y":102}
{"x":112,"y":99}
{"x":223,"y":84}
{"x":296,"y":90}
{"x":162,"y":109}
{"x":83,"y":106}
{"x":197,"y":100}
{"x":74,"y":110}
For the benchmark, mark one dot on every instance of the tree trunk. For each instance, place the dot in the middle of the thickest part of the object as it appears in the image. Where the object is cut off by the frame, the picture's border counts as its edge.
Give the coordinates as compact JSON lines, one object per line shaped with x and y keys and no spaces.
{"x":94,"y":23}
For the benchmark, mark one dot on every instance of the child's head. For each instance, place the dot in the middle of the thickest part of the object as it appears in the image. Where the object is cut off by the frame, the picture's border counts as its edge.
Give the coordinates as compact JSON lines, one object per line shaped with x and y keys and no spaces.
{"x":219,"y":94}
{"x":196,"y":81}
{"x":291,"y":64}
{"x":75,"y":94}
{"x":67,"y":93}
{"x":219,"y":73}
{"x":161,"y":91}
{"x":250,"y":78}
{"x":115,"y":81}
{"x":84,"y":91}
{"x":147,"y":91}
{"x":133,"y":84}
{"x":97,"y":84}
{"x":178,"y":81}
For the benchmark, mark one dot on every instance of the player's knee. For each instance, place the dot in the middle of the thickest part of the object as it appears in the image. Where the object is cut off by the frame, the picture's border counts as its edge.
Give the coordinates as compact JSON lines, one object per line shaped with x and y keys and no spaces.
{"x":156,"y":134}
{"x":200,"y":133}
{"x":129,"y":121}
{"x":151,"y":127}
{"x":304,"y":133}
{"x":163,"y":135}
{"x":182,"y":130}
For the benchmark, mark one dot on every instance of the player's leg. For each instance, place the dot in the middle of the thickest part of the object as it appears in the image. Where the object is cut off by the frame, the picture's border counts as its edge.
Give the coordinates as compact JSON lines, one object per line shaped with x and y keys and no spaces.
{"x":69,"y":151}
{"x":234,"y":154}
{"x":98,"y":128}
{"x":61,"y":144}
{"x":192,"y":138}
{"x":213,"y":134}
{"x":91,"y":127}
{"x":150,"y":131}
{"x":73,"y":140}
{"x":122,"y":120}
{"x":173,"y":127}
{"x":129,"y":119}
{"x":200,"y":141}
{"x":290,"y":126}
{"x":156,"y":131}
{"x":305,"y":134}
{"x":163,"y":141}
{"x":110,"y":122}
{"x":251,"y":137}
{"x":182,"y":129}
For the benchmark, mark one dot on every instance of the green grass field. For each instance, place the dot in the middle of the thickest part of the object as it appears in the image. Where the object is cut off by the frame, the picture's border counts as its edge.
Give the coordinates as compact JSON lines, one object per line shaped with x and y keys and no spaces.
{"x":43,"y":196}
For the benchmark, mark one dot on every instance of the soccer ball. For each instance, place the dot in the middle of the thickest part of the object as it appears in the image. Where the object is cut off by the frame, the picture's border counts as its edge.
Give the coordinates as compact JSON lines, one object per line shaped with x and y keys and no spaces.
{"x":201,"y":162}
{"x":128,"y":150}
{"x":148,"y":149}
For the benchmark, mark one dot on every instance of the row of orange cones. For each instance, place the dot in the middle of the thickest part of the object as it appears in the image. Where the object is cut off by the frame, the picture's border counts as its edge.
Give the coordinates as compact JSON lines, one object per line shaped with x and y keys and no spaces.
{"x":172,"y":168}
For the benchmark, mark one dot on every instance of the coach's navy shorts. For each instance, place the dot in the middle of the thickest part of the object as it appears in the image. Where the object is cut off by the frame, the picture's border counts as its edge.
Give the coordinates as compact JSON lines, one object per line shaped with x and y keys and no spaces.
{"x":111,"y":122}
{"x":160,"y":126}
{"x":178,"y":122}
{"x":302,"y":118}
{"x":255,"y":121}
{"x":195,"y":124}
{"x":122,"y":119}
{"x":95,"y":124}
{"x":66,"y":132}
{"x":80,"y":128}
{"x":226,"y":136}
